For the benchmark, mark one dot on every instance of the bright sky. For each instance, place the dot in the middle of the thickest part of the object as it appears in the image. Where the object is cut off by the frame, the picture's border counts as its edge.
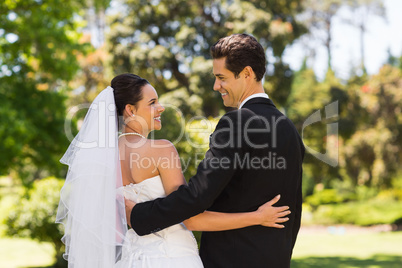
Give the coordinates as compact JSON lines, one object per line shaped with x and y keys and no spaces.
{"x":380,"y":36}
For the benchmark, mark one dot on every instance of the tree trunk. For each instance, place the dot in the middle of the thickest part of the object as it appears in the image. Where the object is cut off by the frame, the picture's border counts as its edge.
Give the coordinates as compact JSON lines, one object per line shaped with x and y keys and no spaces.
{"x":362,"y":52}
{"x":329,"y":40}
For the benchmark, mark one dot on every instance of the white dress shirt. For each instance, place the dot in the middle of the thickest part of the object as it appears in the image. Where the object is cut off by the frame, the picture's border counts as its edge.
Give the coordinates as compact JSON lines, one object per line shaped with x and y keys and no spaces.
{"x":257,"y":95}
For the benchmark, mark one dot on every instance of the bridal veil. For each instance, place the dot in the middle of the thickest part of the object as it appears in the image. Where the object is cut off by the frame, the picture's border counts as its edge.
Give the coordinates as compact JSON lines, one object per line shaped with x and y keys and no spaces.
{"x":91,"y":204}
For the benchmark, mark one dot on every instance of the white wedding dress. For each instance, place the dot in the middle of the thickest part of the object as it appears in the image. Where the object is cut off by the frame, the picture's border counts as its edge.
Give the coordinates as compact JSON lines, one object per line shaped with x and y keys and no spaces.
{"x":173,"y":247}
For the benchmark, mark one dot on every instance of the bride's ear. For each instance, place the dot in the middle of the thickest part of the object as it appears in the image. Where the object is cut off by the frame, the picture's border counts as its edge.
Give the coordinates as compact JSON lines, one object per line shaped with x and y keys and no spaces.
{"x":130,"y":110}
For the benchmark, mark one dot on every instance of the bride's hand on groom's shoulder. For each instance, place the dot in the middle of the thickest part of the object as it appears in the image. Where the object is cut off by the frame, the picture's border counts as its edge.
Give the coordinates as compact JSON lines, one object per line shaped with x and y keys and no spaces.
{"x":271,"y":216}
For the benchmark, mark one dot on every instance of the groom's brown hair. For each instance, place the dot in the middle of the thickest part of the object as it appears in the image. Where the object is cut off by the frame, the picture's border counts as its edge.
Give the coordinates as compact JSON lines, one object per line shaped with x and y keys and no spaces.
{"x":240,"y":50}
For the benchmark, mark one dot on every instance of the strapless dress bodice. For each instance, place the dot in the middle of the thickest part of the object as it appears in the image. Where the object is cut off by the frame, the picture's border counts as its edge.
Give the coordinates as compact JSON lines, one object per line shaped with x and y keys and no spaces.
{"x":174,"y":246}
{"x":146,"y":190}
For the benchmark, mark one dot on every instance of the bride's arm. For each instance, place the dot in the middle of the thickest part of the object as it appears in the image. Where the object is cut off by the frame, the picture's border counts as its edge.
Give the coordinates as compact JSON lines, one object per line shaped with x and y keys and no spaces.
{"x":265,"y":215}
{"x":169,"y":167}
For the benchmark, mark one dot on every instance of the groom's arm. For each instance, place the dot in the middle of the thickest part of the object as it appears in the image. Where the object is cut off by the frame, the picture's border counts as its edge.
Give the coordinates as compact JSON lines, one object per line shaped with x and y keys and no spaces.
{"x":213,"y":174}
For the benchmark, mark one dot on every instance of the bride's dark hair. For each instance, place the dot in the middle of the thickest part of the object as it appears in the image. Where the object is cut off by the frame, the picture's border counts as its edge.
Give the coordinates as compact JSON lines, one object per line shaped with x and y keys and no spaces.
{"x":127,"y":89}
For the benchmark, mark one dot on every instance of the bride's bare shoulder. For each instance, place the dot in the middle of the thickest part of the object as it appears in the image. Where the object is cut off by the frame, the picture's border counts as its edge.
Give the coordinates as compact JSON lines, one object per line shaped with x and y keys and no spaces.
{"x":164,"y":143}
{"x":162,"y":146}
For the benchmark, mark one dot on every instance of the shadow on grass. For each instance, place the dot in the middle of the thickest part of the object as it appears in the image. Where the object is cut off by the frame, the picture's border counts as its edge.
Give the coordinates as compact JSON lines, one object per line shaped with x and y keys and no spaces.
{"x":383,"y":261}
{"x":60,"y":264}
{"x":376,"y":261}
{"x":51,"y":266}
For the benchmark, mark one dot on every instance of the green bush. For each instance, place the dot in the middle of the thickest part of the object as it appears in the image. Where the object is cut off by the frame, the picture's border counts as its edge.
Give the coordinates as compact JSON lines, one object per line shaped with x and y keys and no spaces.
{"x":8,"y":197}
{"x":362,"y":213}
{"x":398,"y":221}
{"x":390,"y":194}
{"x":34,"y":215}
{"x":323,"y":197}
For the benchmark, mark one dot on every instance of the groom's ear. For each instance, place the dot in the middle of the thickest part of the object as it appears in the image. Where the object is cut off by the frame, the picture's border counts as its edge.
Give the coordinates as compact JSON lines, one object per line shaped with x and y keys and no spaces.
{"x":248,"y":72}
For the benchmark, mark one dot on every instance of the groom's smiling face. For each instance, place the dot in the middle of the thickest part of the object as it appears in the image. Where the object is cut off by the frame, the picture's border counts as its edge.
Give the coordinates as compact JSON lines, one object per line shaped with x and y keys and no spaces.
{"x":230,"y":87}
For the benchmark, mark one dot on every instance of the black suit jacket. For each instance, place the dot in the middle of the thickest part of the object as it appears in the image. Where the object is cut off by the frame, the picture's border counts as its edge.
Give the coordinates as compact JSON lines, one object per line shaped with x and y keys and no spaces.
{"x":255,"y":153}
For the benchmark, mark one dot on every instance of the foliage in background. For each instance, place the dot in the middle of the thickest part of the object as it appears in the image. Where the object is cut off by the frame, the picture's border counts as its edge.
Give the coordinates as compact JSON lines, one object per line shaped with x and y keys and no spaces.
{"x":168,"y":41}
{"x":43,"y":55}
{"x":373,"y":153}
{"x":34,"y":215}
{"x":307,"y":97}
{"x":370,"y":125}
{"x":362,"y":213}
{"x":38,"y":49}
{"x":319,"y":17}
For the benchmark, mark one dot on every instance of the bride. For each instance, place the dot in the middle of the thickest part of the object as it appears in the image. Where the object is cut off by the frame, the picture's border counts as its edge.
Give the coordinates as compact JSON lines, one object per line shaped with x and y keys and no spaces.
{"x":105,"y":168}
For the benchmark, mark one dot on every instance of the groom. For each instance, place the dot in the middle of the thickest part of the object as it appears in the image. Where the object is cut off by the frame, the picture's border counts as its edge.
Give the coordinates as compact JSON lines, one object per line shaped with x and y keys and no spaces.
{"x":254,"y":154}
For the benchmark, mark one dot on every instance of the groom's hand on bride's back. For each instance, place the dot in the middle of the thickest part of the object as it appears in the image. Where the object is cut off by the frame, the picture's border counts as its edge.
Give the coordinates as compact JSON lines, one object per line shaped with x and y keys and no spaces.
{"x":129,"y":207}
{"x":271,"y":216}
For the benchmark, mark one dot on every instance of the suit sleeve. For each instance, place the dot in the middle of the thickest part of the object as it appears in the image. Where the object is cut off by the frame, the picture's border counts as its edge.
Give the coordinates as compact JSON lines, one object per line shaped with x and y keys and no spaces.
{"x":213,"y":174}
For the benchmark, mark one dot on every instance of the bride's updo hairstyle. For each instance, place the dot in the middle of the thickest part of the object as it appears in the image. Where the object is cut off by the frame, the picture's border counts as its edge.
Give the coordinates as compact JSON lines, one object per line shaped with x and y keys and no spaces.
{"x":127,"y":89}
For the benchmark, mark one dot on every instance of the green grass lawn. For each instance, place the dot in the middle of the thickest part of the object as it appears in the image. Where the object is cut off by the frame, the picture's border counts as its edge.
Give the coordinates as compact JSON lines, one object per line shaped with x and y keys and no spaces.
{"x":369,"y":250}
{"x":18,"y":252}
{"x":321,"y":250}
{"x":314,"y":249}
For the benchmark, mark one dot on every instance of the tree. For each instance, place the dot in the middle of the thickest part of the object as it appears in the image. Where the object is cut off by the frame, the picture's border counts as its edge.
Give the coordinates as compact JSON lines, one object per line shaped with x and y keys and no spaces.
{"x":168,"y":42}
{"x":362,"y":9}
{"x":38,"y":47}
{"x":373,"y":153}
{"x":96,"y":18}
{"x":308,"y":98}
{"x":318,"y":18}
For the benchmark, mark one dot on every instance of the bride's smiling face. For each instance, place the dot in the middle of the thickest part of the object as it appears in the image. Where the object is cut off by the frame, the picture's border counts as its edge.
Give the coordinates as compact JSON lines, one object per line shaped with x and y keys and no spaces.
{"x":148,"y":110}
